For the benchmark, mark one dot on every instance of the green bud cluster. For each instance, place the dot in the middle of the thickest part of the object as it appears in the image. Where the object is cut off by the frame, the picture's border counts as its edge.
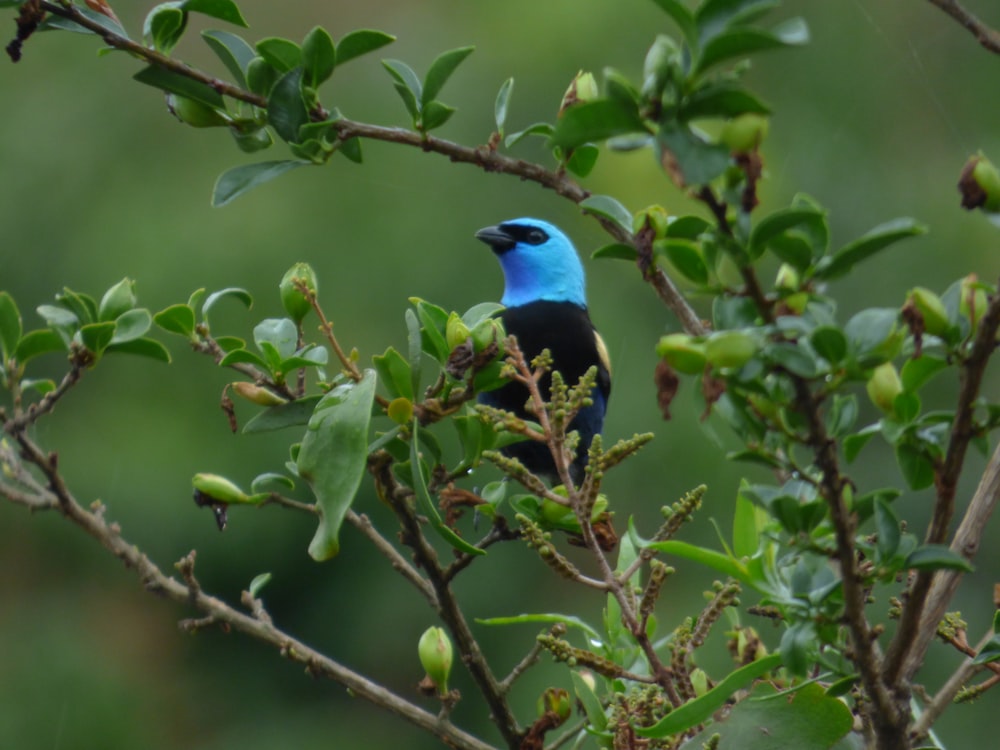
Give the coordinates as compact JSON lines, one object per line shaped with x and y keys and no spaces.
{"x":578,"y":657}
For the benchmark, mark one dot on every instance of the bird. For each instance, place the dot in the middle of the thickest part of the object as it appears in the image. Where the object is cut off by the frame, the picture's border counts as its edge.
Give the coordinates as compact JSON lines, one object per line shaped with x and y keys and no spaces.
{"x":545,"y":307}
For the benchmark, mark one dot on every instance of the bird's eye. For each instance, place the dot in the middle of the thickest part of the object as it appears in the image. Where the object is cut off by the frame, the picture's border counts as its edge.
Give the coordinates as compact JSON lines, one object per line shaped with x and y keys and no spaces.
{"x":536,"y":237}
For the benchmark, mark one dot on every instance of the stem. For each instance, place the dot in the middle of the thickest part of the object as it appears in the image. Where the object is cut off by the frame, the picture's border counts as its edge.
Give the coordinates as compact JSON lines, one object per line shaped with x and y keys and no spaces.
{"x":989,"y":38}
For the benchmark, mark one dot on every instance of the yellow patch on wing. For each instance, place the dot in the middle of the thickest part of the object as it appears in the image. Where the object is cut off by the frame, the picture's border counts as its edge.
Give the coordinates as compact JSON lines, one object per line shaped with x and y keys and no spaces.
{"x":602,"y":352}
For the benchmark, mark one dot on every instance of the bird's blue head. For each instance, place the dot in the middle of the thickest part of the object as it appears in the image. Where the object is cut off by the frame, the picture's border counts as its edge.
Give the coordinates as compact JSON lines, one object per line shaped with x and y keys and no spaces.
{"x":539,"y":262}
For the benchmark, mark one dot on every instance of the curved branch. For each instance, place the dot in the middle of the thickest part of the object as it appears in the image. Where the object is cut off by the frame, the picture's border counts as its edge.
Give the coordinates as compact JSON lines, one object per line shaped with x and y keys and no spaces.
{"x":988,"y":37}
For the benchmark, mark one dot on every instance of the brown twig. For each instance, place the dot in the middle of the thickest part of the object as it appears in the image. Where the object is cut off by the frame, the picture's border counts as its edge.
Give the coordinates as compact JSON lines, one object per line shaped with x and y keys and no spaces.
{"x":988,"y":37}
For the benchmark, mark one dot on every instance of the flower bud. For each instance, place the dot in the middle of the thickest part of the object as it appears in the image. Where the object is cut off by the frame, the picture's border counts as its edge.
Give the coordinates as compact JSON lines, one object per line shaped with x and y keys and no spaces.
{"x":486,"y":333}
{"x":682,"y":353}
{"x":436,"y":656}
{"x":255,"y":394}
{"x":931,"y":309}
{"x":787,"y":279}
{"x":556,"y":701}
{"x":215,"y":488}
{"x":730,"y":348}
{"x":883,"y":386}
{"x":979,"y":185}
{"x":296,"y":304}
{"x":583,"y":88}
{"x":745,"y":132}
{"x":656,"y":217}
{"x":662,"y":64}
{"x":972,"y":301}
{"x":195,"y":113}
{"x":456,"y":332}
{"x":699,"y":681}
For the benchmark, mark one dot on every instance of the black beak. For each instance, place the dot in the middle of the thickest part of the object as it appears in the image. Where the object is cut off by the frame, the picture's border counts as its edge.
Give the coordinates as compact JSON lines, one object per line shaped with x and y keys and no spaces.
{"x":497,"y":239}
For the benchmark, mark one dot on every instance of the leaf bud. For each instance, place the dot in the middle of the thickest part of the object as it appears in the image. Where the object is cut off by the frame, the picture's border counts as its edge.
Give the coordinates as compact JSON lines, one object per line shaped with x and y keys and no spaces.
{"x":744,"y":132}
{"x":486,"y":333}
{"x":682,"y":352}
{"x":699,"y":681}
{"x":296,"y":304}
{"x":435,"y":652}
{"x":931,"y":309}
{"x":662,"y":64}
{"x":787,"y":278}
{"x":215,"y":488}
{"x":456,"y":332}
{"x":556,"y":701}
{"x":256,"y":394}
{"x":117,"y":300}
{"x":979,"y":185}
{"x":657,"y":218}
{"x":583,"y":88}
{"x":730,"y":348}
{"x":972,"y":301}
{"x":883,"y":386}
{"x":195,"y":113}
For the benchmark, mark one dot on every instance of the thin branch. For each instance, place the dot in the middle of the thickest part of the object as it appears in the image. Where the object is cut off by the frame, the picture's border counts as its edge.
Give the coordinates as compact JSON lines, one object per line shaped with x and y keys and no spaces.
{"x":988,"y":37}
{"x":521,"y":667}
{"x":217,"y":611}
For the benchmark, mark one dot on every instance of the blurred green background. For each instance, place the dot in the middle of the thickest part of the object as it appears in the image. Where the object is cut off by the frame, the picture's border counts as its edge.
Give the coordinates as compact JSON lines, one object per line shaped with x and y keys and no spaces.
{"x":874,"y":118}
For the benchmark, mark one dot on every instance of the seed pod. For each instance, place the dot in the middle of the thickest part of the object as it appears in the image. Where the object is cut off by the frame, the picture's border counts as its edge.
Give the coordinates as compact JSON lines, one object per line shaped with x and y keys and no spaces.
{"x":435,"y":652}
{"x":932,"y":310}
{"x":296,"y":304}
{"x":745,"y":132}
{"x":682,"y":352}
{"x":883,"y":386}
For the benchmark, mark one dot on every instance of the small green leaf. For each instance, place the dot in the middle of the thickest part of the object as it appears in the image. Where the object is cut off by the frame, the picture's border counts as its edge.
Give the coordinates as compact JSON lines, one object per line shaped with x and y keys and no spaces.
{"x":176,"y":319}
{"x":258,"y":583}
{"x":606,"y":207}
{"x":131,"y":325}
{"x":596,"y":120}
{"x":286,"y":108}
{"x":715,"y":16}
{"x":234,"y":52}
{"x":918,"y":370}
{"x":777,"y":223}
{"x":742,"y":41}
{"x":262,"y":481}
{"x":794,"y":358}
{"x":932,"y":557}
{"x":685,"y":256}
{"x":592,"y":705}
{"x":440,"y":71}
{"x":434,"y":114}
{"x":239,"y":180}
{"x":700,"y":709}
{"x":694,"y":160}
{"x":65,"y":24}
{"x":233,"y":291}
{"x":684,"y":19}
{"x":717,"y":561}
{"x":854,"y":443}
{"x":10,"y":326}
{"x":117,"y":300}
{"x":361,"y":42}
{"x":829,"y":343}
{"x":990,"y":652}
{"x":292,"y":414}
{"x":866,"y":246}
{"x":503,"y":104}
{"x":333,"y":457}
{"x":617,"y":251}
{"x":224,"y":10}
{"x":97,"y":336}
{"x":261,"y":76}
{"x":542,"y":129}
{"x":917,"y":468}
{"x":141,"y":347}
{"x":721,"y":99}
{"x":581,"y":162}
{"x":164,"y":26}
{"x":887,"y":527}
{"x":394,"y":372}
{"x":175,"y":83}
{"x":282,"y":54}
{"x":36,"y":343}
{"x":318,"y":56}
{"x":408,"y":85}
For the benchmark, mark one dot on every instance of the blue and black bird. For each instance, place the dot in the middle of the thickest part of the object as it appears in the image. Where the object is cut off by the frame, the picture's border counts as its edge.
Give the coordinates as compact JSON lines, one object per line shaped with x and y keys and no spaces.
{"x":546,"y":308}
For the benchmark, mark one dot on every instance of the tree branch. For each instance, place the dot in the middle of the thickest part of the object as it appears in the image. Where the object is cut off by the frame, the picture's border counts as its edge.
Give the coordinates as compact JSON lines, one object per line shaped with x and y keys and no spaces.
{"x":988,"y":37}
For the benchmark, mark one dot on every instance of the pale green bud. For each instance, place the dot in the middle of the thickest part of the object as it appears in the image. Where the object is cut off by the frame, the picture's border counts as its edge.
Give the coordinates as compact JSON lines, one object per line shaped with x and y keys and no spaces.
{"x":435,"y":652}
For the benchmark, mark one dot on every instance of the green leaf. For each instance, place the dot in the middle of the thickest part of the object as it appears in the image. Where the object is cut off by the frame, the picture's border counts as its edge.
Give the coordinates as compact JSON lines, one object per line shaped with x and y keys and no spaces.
{"x":434,"y":114}
{"x":286,"y":109}
{"x":233,"y":51}
{"x":685,"y":256}
{"x":866,"y":246}
{"x":36,"y":343}
{"x":702,"y":555}
{"x":360,"y":42}
{"x":811,"y":720}
{"x":684,"y":19}
{"x":874,"y":335}
{"x":394,"y":372}
{"x":333,"y":457}
{"x":592,"y":705}
{"x":292,"y":414}
{"x":238,"y":180}
{"x":720,"y":99}
{"x":747,"y":525}
{"x":258,"y":583}
{"x":117,"y":300}
{"x":595,"y":121}
{"x":700,"y":709}
{"x":854,"y":443}
{"x":141,"y":347}
{"x":989,"y":652}
{"x":714,"y":16}
{"x":917,"y":468}
{"x":691,"y":158}
{"x":10,"y":326}
{"x":426,"y":503}
{"x":606,"y":207}
{"x":408,"y":85}
{"x":131,"y":325}
{"x":616,"y":250}
{"x":176,"y":83}
{"x":440,"y":71}
{"x":318,"y":56}
{"x":777,"y":223}
{"x":534,"y":618}
{"x":543,"y":129}
{"x":233,"y":291}
{"x":176,"y":319}
{"x":502,"y":104}
{"x":65,"y":24}
{"x":582,"y":160}
{"x":224,"y":10}
{"x":282,"y":54}
{"x":792,"y":357}
{"x":164,"y":26}
{"x":742,"y":41}
{"x":887,"y":527}
{"x":261,"y":76}
{"x":917,"y":371}
{"x":97,"y":336}
{"x":351,"y":148}
{"x":842,"y":415}
{"x":829,"y":343}
{"x":932,"y":557}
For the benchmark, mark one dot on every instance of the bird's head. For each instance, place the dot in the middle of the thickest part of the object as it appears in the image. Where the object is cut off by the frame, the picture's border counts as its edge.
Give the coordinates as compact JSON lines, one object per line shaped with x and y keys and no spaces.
{"x":539,"y":262}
